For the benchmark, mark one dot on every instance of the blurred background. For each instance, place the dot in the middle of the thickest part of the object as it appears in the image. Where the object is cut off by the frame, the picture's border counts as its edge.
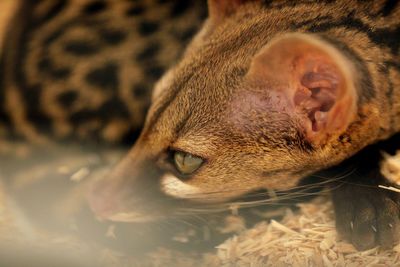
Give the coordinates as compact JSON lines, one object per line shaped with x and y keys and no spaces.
{"x":76,"y":79}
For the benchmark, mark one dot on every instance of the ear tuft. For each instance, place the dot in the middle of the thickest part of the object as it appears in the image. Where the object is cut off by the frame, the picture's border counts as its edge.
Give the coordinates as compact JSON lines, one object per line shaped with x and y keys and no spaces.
{"x":315,"y":79}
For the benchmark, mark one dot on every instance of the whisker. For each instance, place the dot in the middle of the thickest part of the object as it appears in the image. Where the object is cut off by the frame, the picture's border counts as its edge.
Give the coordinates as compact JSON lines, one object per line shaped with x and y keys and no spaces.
{"x":308,"y":186}
{"x":276,"y":198}
{"x":211,"y":208}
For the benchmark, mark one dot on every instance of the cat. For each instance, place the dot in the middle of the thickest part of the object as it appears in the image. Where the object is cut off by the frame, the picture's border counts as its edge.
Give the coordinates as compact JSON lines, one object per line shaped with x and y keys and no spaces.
{"x":269,"y":92}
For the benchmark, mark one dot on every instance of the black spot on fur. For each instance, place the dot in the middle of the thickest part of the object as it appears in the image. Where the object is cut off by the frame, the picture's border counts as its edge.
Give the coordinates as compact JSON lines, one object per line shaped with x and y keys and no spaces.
{"x":40,"y":120}
{"x":140,"y":90}
{"x":4,"y":117}
{"x":105,"y":77}
{"x":60,"y":73}
{"x":149,"y":52}
{"x":180,"y":7}
{"x":189,"y":33}
{"x":53,"y":36}
{"x":130,"y":136}
{"x":113,"y":108}
{"x":56,"y":9}
{"x":388,"y":7}
{"x":80,"y":48}
{"x":267,"y":3}
{"x":83,"y":116}
{"x":66,"y":99}
{"x":154,"y":72}
{"x":148,"y":27}
{"x":186,"y":34}
{"x":94,"y":7}
{"x":135,"y":11}
{"x":44,"y":64}
{"x":34,"y":113}
{"x":112,"y":37}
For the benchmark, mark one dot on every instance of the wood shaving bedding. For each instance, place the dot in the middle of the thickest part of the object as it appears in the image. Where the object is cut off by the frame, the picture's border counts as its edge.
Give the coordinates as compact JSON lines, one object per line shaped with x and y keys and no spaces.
{"x":306,"y":237}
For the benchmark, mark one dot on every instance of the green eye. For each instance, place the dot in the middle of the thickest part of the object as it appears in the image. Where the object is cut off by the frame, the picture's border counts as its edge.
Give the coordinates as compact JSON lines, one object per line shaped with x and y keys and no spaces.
{"x":186,"y":163}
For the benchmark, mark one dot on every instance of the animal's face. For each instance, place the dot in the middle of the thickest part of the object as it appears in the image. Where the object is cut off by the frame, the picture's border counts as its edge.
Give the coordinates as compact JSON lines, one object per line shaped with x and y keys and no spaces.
{"x":237,"y":114}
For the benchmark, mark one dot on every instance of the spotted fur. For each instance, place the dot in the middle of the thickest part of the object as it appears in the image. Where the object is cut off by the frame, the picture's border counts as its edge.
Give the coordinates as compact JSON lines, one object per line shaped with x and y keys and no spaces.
{"x":75,"y":69}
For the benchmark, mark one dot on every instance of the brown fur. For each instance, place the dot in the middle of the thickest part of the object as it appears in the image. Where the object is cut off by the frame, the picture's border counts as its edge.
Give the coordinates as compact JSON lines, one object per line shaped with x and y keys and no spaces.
{"x":208,"y":106}
{"x":214,"y":103}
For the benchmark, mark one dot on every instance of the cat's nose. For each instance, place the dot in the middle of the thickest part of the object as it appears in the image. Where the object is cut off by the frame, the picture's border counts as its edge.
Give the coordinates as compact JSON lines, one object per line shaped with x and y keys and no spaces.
{"x":102,"y":201}
{"x":124,"y":193}
{"x":109,"y":195}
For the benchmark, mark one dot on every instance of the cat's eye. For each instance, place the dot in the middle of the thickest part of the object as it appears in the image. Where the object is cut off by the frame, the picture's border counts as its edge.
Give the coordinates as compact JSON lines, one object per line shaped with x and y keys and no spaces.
{"x":186,"y":163}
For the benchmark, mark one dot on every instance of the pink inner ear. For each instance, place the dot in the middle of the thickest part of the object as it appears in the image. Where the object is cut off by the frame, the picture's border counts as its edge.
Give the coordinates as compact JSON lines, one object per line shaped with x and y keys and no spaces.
{"x":320,"y":93}
{"x":317,"y":95}
{"x":313,"y":78}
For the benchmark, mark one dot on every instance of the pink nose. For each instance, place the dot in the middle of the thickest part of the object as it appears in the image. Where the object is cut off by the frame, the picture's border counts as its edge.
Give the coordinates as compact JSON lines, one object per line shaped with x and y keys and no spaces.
{"x":102,"y":201}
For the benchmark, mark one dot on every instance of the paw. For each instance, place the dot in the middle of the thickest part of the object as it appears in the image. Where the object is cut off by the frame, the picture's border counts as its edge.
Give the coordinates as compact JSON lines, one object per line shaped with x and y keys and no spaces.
{"x":367,"y":216}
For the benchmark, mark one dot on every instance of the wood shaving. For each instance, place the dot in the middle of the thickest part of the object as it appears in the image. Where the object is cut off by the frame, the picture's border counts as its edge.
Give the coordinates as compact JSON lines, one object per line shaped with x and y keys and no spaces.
{"x":80,"y":174}
{"x":390,"y":167}
{"x":391,"y":188}
{"x":305,"y":237}
{"x":233,"y":224}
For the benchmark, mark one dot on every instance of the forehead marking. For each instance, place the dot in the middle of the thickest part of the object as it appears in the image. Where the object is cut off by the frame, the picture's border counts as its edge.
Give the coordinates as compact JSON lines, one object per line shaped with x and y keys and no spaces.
{"x":176,"y":87}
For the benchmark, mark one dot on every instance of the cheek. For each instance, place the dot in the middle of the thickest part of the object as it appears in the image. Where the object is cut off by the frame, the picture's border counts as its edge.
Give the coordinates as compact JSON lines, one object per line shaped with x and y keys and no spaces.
{"x":174,"y":187}
{"x":282,"y":182}
{"x":205,"y":192}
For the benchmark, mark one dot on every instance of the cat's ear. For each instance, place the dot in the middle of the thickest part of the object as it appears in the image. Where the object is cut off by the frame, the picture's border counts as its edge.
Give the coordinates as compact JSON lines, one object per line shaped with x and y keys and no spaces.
{"x":218,"y":9}
{"x":309,"y":79}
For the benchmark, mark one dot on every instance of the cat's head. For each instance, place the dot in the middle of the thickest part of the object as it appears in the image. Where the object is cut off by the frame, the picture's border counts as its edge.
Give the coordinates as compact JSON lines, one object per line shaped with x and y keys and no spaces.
{"x":251,"y":105}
